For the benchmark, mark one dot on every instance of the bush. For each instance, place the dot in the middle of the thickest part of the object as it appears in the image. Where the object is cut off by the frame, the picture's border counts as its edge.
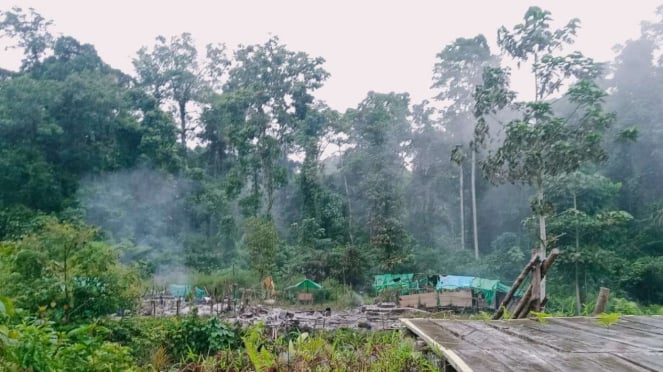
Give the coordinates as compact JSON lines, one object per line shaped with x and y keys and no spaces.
{"x":34,"y":345}
{"x":194,"y":334}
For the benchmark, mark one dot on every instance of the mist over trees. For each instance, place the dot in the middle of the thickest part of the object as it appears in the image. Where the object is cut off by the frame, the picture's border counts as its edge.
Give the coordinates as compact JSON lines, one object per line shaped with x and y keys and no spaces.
{"x":207,"y":159}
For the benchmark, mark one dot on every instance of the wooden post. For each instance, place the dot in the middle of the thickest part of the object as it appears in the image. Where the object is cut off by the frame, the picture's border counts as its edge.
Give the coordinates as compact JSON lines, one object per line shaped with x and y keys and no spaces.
{"x":522,"y":310}
{"x":177,"y":307}
{"x":523,"y":305}
{"x":535,"y":299}
{"x":514,"y":288}
{"x":601,"y":301}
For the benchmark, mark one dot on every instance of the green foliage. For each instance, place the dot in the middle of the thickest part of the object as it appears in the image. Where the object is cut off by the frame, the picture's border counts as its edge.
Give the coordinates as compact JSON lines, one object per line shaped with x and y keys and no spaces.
{"x":260,"y":357}
{"x":79,"y":140}
{"x":541,"y":317}
{"x":200,"y":336}
{"x":261,"y":241}
{"x":64,"y":269}
{"x":606,"y":320}
{"x":35,"y":345}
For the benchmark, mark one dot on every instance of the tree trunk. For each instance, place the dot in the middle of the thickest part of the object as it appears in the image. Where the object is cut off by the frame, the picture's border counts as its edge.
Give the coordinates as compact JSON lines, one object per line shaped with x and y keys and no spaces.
{"x":474,"y":206}
{"x":183,"y":129}
{"x":347,"y":200}
{"x":578,"y":302}
{"x":462,"y":210}
{"x":542,"y":228}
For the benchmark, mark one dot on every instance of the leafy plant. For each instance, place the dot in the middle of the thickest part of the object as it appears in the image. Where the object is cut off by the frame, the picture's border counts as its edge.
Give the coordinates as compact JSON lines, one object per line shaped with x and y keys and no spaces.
{"x":608,"y":319}
{"x":254,"y":345}
{"x":541,"y":317}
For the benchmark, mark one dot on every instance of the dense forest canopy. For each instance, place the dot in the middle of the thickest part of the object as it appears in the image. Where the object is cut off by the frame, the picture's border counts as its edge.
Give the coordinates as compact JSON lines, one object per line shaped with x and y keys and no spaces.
{"x":203,"y":159}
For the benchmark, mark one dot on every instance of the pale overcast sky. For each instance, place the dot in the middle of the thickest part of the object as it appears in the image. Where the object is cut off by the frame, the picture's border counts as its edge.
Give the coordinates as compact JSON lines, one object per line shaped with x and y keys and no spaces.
{"x":369,"y":45}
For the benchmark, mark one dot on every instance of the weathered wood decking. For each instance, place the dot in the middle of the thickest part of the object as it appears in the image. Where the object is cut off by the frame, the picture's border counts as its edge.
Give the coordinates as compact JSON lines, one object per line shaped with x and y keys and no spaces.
{"x":635,"y":343}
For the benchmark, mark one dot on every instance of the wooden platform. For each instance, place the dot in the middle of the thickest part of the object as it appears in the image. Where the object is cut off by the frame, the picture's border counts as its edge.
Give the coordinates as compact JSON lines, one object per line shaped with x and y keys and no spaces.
{"x":634,"y":343}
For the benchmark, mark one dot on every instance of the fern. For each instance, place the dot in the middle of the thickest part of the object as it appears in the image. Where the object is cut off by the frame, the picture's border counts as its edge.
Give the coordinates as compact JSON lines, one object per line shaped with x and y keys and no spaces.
{"x":261,"y":359}
{"x":506,"y":315}
{"x":541,"y":317}
{"x":606,"y":320}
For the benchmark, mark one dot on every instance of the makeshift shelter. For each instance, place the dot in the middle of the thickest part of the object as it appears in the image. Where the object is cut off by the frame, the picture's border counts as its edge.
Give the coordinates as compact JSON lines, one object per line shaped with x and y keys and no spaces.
{"x":305,"y":284}
{"x":488,"y":288}
{"x":304,"y":287}
{"x":403,"y":282}
{"x":182,"y":290}
{"x":453,"y":282}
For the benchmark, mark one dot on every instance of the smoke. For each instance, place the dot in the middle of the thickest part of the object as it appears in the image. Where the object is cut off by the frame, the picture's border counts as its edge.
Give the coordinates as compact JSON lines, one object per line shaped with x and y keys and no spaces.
{"x":144,"y":211}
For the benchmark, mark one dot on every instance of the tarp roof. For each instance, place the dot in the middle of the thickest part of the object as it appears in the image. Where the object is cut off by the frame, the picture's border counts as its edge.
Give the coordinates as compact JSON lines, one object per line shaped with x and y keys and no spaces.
{"x":392,"y":281}
{"x":451,"y":282}
{"x":182,"y":290}
{"x":487,"y":287}
{"x":306,"y":284}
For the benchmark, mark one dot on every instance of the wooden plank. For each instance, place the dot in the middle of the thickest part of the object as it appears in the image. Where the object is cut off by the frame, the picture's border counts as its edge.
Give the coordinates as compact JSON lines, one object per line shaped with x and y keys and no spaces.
{"x":428,"y":300}
{"x":559,"y":344}
{"x":563,"y":339}
{"x":648,"y":361}
{"x":448,"y":354}
{"x":652,"y":322}
{"x":634,"y":338}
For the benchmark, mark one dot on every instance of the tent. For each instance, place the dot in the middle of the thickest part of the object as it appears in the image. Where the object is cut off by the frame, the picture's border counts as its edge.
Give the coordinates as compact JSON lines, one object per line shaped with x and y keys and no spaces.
{"x":182,"y":290}
{"x":394,"y":281}
{"x":305,"y":284}
{"x":487,"y":287}
{"x":452,"y":282}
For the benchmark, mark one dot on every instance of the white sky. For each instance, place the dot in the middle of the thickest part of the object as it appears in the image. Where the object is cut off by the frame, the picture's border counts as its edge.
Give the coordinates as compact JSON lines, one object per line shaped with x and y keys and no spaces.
{"x":368,"y":44}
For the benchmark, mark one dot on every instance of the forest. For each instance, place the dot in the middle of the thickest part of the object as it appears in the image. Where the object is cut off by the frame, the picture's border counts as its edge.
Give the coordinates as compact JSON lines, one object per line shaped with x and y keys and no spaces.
{"x":206,"y":163}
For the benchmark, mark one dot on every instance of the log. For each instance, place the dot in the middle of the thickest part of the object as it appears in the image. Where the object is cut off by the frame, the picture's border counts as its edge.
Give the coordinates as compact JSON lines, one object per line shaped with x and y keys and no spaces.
{"x":535,"y":300}
{"x":525,"y":300}
{"x":601,"y":301}
{"x":516,"y":284}
{"x":522,"y":304}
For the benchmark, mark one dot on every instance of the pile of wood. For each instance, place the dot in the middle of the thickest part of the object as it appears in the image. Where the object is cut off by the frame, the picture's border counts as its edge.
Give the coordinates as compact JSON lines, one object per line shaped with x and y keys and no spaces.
{"x":533,"y":298}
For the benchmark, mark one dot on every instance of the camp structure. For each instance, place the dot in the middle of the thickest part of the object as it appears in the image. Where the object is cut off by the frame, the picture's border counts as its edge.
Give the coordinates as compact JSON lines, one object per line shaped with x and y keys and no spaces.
{"x":402,"y":282}
{"x":303,"y":288}
{"x":458,"y":292}
{"x":487,"y":290}
{"x":185,"y":290}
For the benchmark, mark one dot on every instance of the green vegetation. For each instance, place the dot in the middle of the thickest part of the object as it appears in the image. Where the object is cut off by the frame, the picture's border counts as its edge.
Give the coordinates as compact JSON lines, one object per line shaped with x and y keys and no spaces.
{"x":209,"y":168}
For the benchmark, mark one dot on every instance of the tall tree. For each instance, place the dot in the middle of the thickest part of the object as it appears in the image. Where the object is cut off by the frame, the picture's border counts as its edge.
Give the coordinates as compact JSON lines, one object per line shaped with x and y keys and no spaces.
{"x":458,"y":157}
{"x":589,"y":227}
{"x":542,"y":143}
{"x":379,"y":128}
{"x":173,"y":73}
{"x":272,"y":86}
{"x":456,"y":74}
{"x":30,"y":32}
{"x":428,"y":201}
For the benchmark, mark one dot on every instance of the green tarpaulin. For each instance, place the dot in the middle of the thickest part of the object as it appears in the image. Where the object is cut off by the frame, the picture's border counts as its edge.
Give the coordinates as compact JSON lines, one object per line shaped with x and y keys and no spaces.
{"x":488,"y":288}
{"x":182,"y":290}
{"x":393,"y":281}
{"x":305,"y":284}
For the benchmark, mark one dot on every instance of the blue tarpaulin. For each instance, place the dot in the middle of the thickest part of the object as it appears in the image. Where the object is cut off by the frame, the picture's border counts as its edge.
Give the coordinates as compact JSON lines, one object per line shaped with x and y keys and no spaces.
{"x":182,"y":290}
{"x":451,"y":282}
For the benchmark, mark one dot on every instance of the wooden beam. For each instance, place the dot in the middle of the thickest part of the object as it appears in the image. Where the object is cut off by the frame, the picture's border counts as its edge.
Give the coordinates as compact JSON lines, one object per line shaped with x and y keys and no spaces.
{"x":516,"y":284}
{"x":523,"y":304}
{"x":535,"y":299}
{"x":601,"y":301}
{"x":449,"y":355}
{"x":521,"y":310}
